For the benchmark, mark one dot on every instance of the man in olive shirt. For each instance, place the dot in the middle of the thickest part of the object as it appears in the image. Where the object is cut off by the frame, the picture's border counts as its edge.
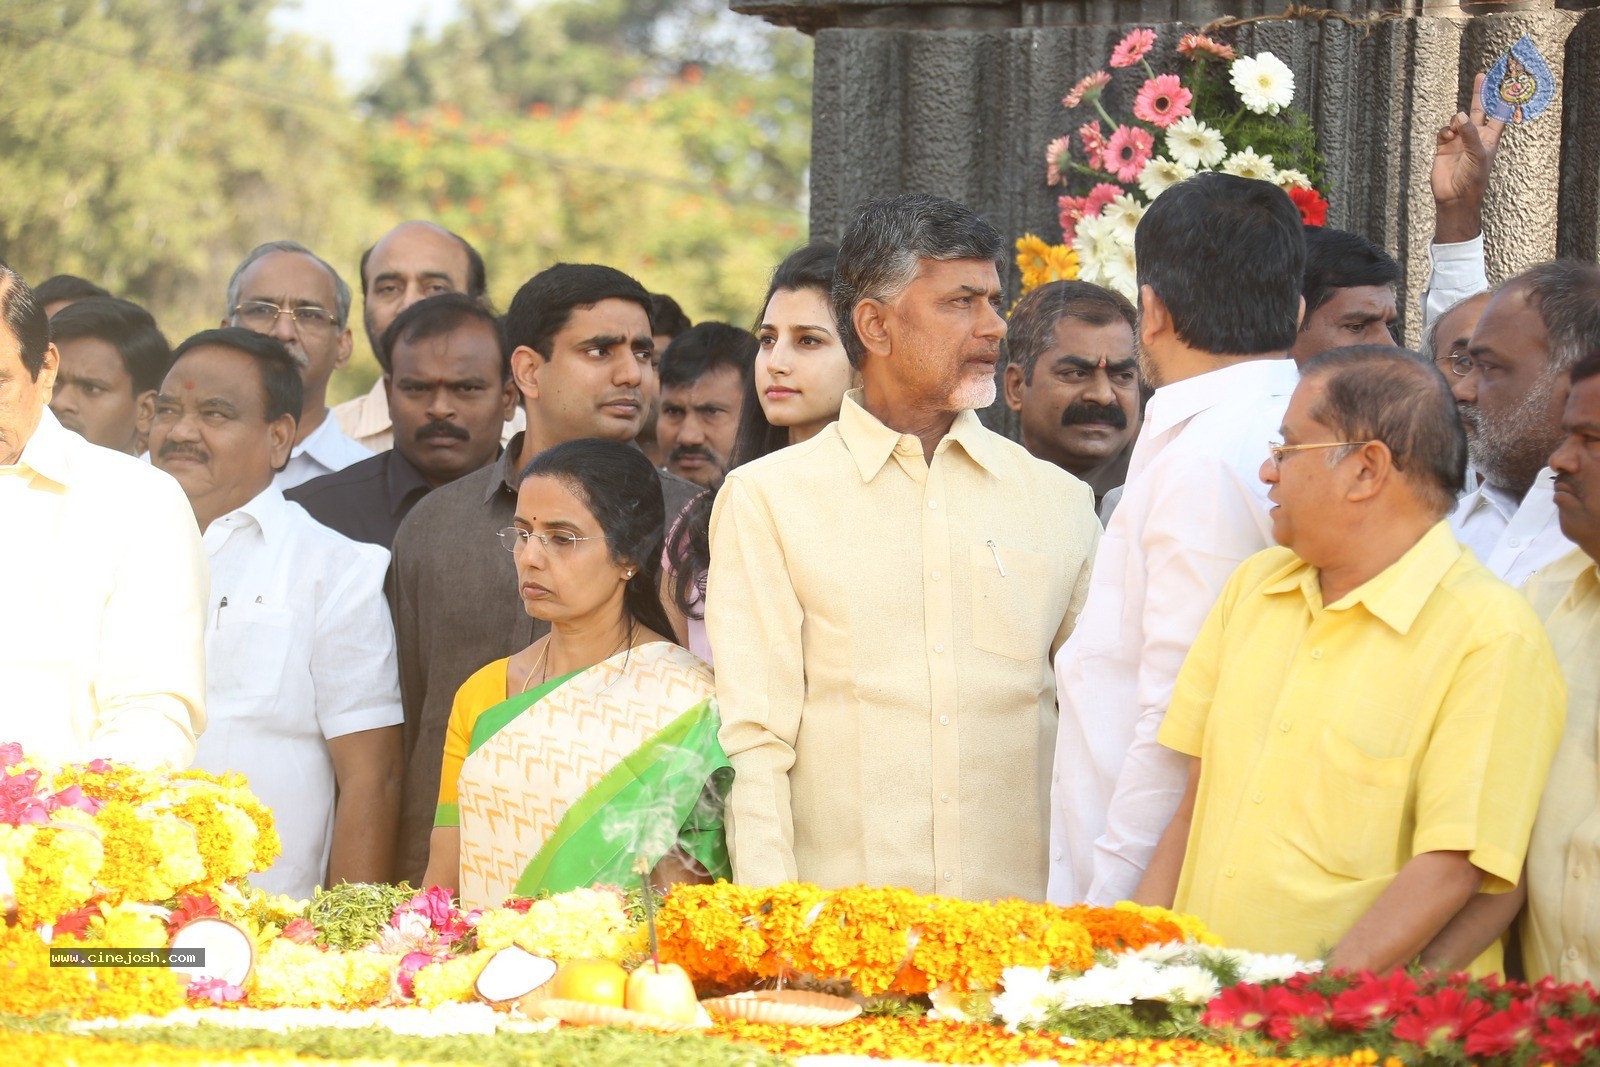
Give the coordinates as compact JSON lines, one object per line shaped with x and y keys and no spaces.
{"x":885,"y":598}
{"x":582,"y":359}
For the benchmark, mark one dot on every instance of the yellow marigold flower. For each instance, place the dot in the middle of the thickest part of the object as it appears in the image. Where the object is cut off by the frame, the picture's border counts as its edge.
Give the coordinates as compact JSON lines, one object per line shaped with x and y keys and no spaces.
{"x":59,"y":871}
{"x":452,"y":980}
{"x":291,"y":975}
{"x":568,"y":926}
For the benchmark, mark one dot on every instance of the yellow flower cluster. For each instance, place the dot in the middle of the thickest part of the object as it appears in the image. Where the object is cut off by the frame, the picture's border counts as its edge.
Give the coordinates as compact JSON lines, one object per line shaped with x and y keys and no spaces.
{"x":1041,"y":262}
{"x":31,"y":986}
{"x":889,"y":940}
{"x":577,"y":925}
{"x":452,"y":980}
{"x":88,"y":1051}
{"x":292,"y":975}
{"x":53,"y":872}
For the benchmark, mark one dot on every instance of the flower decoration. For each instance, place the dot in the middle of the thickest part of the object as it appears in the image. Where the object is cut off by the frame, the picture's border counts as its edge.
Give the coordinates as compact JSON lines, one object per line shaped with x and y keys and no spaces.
{"x":1133,"y":48}
{"x":1222,"y":111}
{"x":1162,"y":100}
{"x":215,"y":990}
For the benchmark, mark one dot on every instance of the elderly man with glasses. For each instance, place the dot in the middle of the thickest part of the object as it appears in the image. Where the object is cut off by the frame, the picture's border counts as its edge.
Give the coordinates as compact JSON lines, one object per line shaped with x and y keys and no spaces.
{"x":282,"y":289}
{"x":1369,"y":714}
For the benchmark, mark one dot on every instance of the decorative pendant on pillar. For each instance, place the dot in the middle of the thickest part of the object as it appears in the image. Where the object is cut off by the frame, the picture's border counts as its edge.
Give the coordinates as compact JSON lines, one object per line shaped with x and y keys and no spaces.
{"x":1520,"y":85}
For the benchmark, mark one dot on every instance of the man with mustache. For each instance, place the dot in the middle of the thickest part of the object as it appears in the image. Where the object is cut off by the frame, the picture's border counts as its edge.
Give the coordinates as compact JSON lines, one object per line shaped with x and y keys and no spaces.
{"x":449,"y":386}
{"x":302,"y":691}
{"x":884,"y":598}
{"x":582,"y":360}
{"x":284,"y":290}
{"x":704,"y":374}
{"x":1510,"y":388}
{"x":1072,"y":377}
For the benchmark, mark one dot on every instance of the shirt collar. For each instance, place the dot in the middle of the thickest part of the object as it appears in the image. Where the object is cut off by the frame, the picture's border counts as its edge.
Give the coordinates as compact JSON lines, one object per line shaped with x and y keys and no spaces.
{"x":871,"y":443}
{"x":1397,"y":594}
{"x":48,"y":452}
{"x":319,"y":444}
{"x":267,"y":509}
{"x":505,"y":469}
{"x":402,"y":479}
{"x":1172,"y":404}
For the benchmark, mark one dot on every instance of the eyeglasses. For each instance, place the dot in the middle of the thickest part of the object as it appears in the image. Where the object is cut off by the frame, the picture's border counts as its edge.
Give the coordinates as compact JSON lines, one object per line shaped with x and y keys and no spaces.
{"x":1277,"y":451}
{"x":514,"y":537}
{"x":262,"y":317}
{"x":1460,"y":366}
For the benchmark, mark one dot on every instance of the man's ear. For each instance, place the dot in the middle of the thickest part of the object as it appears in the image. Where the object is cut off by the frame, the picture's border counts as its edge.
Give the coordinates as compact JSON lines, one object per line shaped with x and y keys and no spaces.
{"x":346,"y":346}
{"x":280,"y":435}
{"x":871,"y":320}
{"x":1012,"y":386}
{"x":144,"y":412}
{"x":47,"y":371}
{"x":1300,"y":316}
{"x":1154,"y":318}
{"x":1374,"y":467}
{"x":525,"y":366}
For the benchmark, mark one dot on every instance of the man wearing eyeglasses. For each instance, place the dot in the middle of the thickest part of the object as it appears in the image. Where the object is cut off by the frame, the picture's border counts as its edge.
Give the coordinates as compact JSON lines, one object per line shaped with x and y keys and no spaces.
{"x":1368,"y":714}
{"x":1510,"y":387}
{"x":284,"y":290}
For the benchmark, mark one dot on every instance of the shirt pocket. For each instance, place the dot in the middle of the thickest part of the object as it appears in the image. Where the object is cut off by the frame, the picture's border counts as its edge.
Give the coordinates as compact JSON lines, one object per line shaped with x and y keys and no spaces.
{"x":247,"y":656}
{"x":1016,"y":601}
{"x":1350,"y":810}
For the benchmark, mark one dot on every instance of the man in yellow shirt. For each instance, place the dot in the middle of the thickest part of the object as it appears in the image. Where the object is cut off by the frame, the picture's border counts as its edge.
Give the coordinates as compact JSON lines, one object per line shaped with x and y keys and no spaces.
{"x":1370,"y":714}
{"x":885,"y":598}
{"x":1561,"y":928}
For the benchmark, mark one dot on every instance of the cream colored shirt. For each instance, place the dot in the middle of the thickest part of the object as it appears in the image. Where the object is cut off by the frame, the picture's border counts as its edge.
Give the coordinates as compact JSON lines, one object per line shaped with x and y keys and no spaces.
{"x":103,"y":601}
{"x":1561,"y":925}
{"x":883,"y":630}
{"x":365,"y":420}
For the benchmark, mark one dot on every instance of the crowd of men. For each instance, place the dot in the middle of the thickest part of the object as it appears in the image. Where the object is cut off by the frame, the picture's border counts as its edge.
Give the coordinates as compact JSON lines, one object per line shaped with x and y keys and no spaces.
{"x":1292,"y":687}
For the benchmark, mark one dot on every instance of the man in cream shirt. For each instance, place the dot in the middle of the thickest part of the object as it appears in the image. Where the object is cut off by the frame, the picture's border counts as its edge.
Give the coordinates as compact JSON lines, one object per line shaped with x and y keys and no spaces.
{"x":103,"y":655}
{"x":1220,"y":261}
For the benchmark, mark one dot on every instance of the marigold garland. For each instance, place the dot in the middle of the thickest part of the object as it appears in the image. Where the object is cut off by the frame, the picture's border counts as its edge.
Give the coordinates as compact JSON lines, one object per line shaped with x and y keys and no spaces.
{"x":889,"y":940}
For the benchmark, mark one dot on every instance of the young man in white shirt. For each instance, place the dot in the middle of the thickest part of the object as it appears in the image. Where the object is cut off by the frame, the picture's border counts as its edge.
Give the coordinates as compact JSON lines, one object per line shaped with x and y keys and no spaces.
{"x":1510,"y":388}
{"x":1220,"y":262}
{"x":105,"y":580}
{"x":282,"y":289}
{"x":304,"y":689}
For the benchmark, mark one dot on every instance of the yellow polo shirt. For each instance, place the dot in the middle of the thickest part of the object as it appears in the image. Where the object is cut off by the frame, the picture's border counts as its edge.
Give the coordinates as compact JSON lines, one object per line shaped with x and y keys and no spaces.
{"x":1418,"y":713}
{"x":1561,"y":926}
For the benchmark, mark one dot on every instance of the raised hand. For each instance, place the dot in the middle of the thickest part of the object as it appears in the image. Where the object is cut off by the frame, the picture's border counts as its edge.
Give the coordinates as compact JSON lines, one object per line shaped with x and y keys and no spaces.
{"x":1461,"y":166}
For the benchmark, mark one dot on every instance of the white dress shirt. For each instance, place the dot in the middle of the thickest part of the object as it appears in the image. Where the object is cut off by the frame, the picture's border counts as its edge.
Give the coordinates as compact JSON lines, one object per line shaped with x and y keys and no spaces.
{"x":301,"y":649}
{"x":1512,"y":538}
{"x":1192,"y":510}
{"x":1457,"y":272}
{"x":104,"y":594}
{"x":324,"y":451}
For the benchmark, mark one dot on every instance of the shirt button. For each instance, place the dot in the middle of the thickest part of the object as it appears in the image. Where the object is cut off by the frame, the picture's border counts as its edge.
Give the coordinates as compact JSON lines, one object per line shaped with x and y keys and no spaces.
{"x":945,"y":798}
{"x":1515,"y":542}
{"x":936,"y":576}
{"x":1229,"y":872}
{"x":948,"y":876}
{"x":934,"y":504}
{"x":1572,"y":953}
{"x":1057,"y":857}
{"x":1284,"y":726}
{"x":944,"y":720}
{"x":1577,"y":872}
{"x":1259,"y":797}
{"x":938,"y":648}
{"x":1316,"y":653}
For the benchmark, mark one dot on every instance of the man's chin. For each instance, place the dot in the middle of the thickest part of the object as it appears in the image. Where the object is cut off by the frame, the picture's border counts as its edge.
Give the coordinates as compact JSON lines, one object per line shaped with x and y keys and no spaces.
{"x":973,"y":395}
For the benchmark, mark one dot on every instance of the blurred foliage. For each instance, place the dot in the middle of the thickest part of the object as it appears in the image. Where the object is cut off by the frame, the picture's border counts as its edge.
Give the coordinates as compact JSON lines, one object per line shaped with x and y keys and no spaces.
{"x":148,"y":144}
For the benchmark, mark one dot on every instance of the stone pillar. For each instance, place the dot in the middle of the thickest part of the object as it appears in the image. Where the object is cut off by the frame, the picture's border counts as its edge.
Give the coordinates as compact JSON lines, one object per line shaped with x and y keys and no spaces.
{"x":961,"y":98}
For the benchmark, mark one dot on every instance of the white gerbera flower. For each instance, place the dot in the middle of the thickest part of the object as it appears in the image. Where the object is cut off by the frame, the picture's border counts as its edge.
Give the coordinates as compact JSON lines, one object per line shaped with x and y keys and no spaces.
{"x":1246,"y":164}
{"x":1292,"y":179}
{"x":1095,"y":242}
{"x":1125,"y":212}
{"x":1161,"y":174}
{"x":1193,"y":144}
{"x":1265,"y":83}
{"x":1188,"y":984}
{"x":1120,"y":272}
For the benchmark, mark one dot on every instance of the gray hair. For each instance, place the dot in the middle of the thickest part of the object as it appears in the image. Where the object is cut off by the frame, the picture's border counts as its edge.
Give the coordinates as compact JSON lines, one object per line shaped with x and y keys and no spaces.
{"x":1393,"y":395}
{"x":1430,"y":336}
{"x":1566,"y":293}
{"x":889,"y":238}
{"x":341,"y":291}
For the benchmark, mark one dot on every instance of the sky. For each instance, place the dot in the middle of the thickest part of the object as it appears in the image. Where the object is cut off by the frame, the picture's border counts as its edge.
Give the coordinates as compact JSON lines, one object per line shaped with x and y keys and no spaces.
{"x":359,"y":31}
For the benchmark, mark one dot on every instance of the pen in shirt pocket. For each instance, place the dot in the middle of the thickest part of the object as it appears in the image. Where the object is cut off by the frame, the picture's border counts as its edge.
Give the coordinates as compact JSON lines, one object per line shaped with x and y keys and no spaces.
{"x":220,"y":605}
{"x":996,"y":550}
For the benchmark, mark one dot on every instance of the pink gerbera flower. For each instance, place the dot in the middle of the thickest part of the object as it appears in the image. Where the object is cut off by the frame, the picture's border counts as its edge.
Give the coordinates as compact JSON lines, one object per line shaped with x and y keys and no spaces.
{"x":1133,"y":48}
{"x":1094,"y":144}
{"x":1128,"y":149}
{"x":1099,"y":197}
{"x":1087,"y":90}
{"x":1055,"y":159}
{"x":1071,"y":208}
{"x":1192,"y":43}
{"x":1162,"y":101}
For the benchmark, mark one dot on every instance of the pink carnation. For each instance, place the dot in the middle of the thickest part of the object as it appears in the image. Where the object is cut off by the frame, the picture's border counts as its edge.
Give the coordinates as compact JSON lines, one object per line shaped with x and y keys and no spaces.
{"x":1132,"y":48}
{"x":1094,"y":144}
{"x":1056,"y":155}
{"x":1087,"y":90}
{"x":1127,"y":151}
{"x":438,"y":909}
{"x":1162,"y":101}
{"x":1192,"y":43}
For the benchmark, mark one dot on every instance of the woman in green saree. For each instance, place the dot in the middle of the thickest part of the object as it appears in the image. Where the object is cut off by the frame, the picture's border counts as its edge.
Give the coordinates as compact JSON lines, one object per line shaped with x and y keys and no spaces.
{"x":596,"y":746}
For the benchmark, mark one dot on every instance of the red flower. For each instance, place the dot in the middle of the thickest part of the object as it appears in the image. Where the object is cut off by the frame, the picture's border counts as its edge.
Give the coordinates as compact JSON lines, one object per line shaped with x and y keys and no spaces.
{"x":75,"y":923}
{"x":1240,"y":1007}
{"x":300,"y":931}
{"x":1566,"y":1040}
{"x":520,"y":905}
{"x":1372,"y":999}
{"x":1502,"y":1032}
{"x":1443,"y":1018}
{"x":191,"y":906}
{"x":1313,"y":209}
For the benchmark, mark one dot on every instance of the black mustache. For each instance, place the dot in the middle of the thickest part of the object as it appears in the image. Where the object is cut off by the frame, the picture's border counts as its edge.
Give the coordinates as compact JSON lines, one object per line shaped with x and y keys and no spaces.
{"x":440,"y":428}
{"x":170,"y":449}
{"x":691,"y":450}
{"x":1082,"y":412}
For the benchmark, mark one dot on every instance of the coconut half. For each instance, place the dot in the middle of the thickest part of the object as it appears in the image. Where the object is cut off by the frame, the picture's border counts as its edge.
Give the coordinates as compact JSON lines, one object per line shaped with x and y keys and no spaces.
{"x":511,"y":974}
{"x":229,"y":952}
